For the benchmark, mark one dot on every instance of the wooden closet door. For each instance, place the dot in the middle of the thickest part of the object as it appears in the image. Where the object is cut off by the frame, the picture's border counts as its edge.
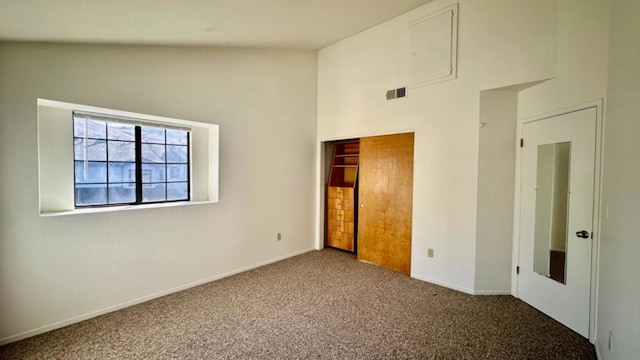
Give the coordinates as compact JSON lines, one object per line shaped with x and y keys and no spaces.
{"x":386,"y":201}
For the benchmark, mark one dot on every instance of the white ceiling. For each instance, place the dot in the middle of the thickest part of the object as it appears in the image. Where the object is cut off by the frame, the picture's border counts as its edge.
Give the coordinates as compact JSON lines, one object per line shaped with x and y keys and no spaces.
{"x":307,"y":24}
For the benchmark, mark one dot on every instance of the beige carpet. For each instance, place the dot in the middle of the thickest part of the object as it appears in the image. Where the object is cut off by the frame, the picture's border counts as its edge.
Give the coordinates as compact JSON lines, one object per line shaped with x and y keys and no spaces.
{"x":320,"y":305}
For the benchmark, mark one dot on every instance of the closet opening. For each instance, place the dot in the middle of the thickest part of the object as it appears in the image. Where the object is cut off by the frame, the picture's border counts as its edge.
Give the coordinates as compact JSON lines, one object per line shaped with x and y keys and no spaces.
{"x":368,"y":198}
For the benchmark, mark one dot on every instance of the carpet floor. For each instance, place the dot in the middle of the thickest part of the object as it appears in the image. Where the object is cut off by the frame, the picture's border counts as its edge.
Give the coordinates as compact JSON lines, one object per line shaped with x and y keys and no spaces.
{"x":319,"y":305}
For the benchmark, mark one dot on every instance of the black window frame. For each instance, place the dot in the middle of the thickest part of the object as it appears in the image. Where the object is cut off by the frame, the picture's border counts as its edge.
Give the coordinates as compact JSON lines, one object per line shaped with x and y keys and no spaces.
{"x":139,"y":174}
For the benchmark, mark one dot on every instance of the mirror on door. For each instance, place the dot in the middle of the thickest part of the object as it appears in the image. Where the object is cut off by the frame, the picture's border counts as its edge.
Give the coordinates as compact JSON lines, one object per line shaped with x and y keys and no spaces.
{"x":552,"y":207}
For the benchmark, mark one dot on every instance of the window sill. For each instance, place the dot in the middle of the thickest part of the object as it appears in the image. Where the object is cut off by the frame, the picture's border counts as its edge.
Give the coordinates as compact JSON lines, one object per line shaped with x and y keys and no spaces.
{"x":123,"y":208}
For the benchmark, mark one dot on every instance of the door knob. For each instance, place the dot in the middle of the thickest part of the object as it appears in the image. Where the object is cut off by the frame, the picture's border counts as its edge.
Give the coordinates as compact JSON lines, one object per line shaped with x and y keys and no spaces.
{"x":361,"y":205}
{"x":583,"y":234}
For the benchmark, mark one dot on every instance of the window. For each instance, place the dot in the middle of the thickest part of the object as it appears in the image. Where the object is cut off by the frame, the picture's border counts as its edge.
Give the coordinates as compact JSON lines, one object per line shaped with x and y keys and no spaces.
{"x":120,"y":162}
{"x":103,"y":139}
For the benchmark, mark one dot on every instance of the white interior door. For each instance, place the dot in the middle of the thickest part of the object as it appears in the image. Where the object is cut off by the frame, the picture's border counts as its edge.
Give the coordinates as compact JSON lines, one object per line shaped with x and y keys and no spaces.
{"x":556,"y":216}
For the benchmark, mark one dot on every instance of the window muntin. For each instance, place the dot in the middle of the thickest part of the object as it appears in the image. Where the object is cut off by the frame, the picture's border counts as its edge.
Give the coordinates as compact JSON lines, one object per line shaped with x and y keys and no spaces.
{"x":165,"y":164}
{"x":120,"y":163}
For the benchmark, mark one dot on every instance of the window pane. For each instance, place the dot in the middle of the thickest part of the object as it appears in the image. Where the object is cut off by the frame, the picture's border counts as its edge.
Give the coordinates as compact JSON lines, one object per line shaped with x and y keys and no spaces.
{"x":122,"y":151}
{"x":78,"y":127}
{"x":177,"y":172}
{"x":121,"y":131}
{"x":153,"y":153}
{"x":90,"y":172}
{"x":153,"y":173}
{"x":92,"y":149}
{"x":122,"y":172}
{"x":91,"y":194}
{"x":153,"y":192}
{"x":177,"y":191}
{"x":152,"y":135}
{"x":122,"y":193}
{"x":176,"y":154}
{"x":177,"y":137}
{"x":96,"y":129}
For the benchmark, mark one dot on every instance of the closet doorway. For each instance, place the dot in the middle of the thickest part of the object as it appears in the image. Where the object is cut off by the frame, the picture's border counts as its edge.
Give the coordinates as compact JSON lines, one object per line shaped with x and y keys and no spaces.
{"x":378,"y":203}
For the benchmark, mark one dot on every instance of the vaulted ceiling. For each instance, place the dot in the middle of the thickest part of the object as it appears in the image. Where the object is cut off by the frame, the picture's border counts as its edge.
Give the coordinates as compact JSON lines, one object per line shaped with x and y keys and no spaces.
{"x":305,"y":24}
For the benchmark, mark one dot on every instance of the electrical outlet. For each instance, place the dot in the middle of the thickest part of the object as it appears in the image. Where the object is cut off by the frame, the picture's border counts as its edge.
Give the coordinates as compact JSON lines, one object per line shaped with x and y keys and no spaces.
{"x":430,"y":253}
{"x":279,"y":237}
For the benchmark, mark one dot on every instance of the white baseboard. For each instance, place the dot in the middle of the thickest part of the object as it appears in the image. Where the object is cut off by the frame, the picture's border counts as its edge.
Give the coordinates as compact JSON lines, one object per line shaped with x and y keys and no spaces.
{"x":442,"y":283}
{"x":75,"y":319}
{"x":492,"y":292}
{"x":461,"y":289}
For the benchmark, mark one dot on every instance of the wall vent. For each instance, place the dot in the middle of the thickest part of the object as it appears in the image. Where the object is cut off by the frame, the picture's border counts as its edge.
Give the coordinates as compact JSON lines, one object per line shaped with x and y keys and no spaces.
{"x":391,"y":94}
{"x":396,"y":93}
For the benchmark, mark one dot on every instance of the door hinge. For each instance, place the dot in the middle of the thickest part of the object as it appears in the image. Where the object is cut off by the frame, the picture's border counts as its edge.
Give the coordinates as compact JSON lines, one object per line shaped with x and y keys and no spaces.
{"x":521,"y":142}
{"x":517,"y":270}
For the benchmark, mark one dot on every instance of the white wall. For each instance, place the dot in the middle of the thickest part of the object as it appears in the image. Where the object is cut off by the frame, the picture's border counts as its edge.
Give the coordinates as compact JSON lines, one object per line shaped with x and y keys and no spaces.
{"x":501,"y":43}
{"x":581,"y":59}
{"x":56,"y":269}
{"x":619,"y":293}
{"x":496,"y":176}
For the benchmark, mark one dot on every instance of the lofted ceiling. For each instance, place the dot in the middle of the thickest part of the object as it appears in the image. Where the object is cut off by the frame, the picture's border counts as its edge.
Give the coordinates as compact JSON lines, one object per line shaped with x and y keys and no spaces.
{"x":305,"y":24}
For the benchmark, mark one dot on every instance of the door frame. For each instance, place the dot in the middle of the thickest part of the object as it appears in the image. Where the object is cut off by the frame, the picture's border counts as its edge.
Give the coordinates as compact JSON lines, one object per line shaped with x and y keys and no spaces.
{"x":597,"y":188}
